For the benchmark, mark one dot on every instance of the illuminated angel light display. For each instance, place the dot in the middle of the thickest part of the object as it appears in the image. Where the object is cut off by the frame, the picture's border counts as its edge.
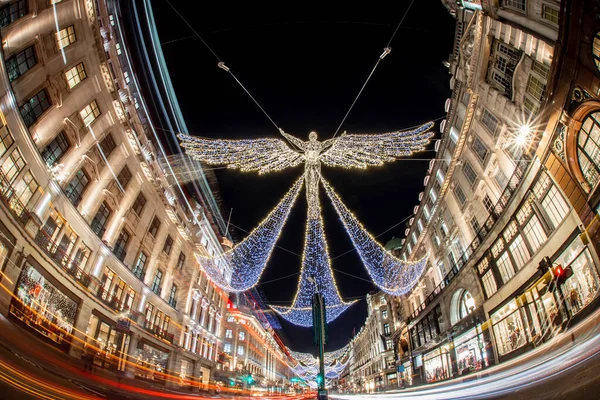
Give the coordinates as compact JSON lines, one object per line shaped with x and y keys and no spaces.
{"x":270,"y":155}
{"x":307,"y":365}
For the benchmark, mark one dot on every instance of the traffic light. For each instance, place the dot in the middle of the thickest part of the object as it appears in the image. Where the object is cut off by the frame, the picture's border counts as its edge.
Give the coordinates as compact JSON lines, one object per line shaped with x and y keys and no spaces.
{"x":544,"y":265}
{"x":319,"y":379}
{"x":560,"y":273}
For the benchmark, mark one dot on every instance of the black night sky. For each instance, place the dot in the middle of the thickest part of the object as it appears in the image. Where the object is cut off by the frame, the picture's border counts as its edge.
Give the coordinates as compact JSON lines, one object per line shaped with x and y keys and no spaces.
{"x":305,"y":64}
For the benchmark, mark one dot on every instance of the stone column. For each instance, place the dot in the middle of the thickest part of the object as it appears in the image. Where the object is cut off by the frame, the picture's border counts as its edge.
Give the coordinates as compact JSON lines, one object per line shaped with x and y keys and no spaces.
{"x":43,"y":205}
{"x":10,"y":278}
{"x":81,"y":324}
{"x":174,"y":368}
{"x":133,"y":343}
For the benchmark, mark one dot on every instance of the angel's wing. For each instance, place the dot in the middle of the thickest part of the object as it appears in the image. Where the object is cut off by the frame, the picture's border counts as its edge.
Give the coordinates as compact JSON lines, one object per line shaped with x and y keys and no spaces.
{"x":360,"y":151}
{"x":262,"y":155}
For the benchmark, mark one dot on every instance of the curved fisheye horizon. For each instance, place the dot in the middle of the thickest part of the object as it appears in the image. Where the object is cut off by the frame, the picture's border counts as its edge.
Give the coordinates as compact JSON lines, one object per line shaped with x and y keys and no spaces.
{"x":299,"y":202}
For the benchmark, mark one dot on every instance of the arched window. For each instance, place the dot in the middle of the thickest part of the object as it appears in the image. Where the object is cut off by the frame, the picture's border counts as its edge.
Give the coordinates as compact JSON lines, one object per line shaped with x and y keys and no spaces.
{"x":596,"y":50}
{"x":465,"y":305}
{"x":588,"y":147}
{"x":461,"y":305}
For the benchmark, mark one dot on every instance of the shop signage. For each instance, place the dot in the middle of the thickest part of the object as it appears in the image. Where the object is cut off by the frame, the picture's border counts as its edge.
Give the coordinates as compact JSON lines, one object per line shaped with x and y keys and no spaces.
{"x":123,"y":324}
{"x":400,"y":368}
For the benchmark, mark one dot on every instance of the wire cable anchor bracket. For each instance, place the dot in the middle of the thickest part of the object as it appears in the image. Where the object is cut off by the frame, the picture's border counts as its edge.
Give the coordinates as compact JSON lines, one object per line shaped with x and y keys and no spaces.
{"x":222,"y":65}
{"x":387,"y":50}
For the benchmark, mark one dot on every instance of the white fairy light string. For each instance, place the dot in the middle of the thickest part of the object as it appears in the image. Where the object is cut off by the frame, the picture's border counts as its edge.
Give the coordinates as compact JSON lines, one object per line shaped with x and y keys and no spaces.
{"x":390,"y":274}
{"x":249,"y":258}
{"x":315,"y":264}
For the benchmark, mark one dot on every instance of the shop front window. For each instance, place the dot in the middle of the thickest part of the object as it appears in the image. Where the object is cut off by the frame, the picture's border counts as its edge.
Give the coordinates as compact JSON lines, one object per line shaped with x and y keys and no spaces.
{"x":42,"y":306}
{"x":581,"y":288}
{"x":509,"y":329}
{"x":437,"y":364}
{"x":469,"y":354}
{"x":150,"y":362}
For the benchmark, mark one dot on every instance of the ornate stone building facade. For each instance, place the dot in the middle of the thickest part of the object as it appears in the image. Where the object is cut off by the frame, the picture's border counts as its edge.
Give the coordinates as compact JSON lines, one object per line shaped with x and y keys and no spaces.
{"x":98,"y":243}
{"x":512,"y":194}
{"x":252,"y":349}
{"x":372,"y":365}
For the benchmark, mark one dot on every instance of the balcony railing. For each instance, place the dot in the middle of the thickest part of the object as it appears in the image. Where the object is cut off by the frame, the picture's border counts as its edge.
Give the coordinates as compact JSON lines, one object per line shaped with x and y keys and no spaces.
{"x":484,"y":231}
{"x":109,"y":299}
{"x":56,"y":252}
{"x":158,"y":331}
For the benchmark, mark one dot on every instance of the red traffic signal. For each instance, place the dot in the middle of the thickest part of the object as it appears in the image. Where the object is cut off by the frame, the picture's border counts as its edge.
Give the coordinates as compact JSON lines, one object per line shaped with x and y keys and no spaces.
{"x":558,"y":272}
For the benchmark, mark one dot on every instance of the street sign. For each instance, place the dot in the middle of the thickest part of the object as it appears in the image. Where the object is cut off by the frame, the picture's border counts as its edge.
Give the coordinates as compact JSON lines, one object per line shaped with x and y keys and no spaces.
{"x":123,"y":324}
{"x":400,"y":368}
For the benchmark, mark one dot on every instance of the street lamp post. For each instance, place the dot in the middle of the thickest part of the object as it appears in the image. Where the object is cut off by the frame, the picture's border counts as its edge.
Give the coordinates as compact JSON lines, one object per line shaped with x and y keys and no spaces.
{"x":471,"y":306}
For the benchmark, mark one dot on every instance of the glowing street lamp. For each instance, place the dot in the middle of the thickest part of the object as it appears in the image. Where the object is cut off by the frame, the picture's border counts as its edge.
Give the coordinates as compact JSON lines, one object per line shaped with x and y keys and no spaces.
{"x":523,"y":135}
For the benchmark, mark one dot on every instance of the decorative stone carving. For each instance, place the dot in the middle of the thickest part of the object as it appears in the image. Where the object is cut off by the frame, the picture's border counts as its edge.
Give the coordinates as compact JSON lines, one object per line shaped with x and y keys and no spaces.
{"x":558,"y":147}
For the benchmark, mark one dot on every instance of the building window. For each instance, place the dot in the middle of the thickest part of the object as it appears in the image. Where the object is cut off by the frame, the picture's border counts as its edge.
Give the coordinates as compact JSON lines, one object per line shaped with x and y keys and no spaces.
{"x":460,"y":195}
{"x":588,"y":148}
{"x":509,"y":330}
{"x":505,"y":267}
{"x":242,"y":335}
{"x":140,"y":265}
{"x":75,"y":75}
{"x":535,"y":234}
{"x":384,"y":314}
{"x":489,"y":283}
{"x":124,"y":177}
{"x":535,"y":87}
{"x":469,"y":173}
{"x":596,"y":50}
{"x":168,"y":246}
{"x":6,"y":140}
{"x":98,"y":224}
{"x":228,"y":334}
{"x":118,"y":48}
{"x":154,"y":226}
{"x":76,"y":187}
{"x":90,"y":113}
{"x":550,"y":14}
{"x":386,"y":329}
{"x":490,"y":121}
{"x":180,"y":261}
{"x":138,"y":204}
{"x":65,"y":37}
{"x":540,"y":69}
{"x":35,"y":107}
{"x":515,"y":4}
{"x":9,"y":13}
{"x":240,"y":350}
{"x":173,"y":296}
{"x":504,"y":59}
{"x":487,"y":203}
{"x":531,"y":106}
{"x":55,"y":149}
{"x":20,"y":63}
{"x":107,"y":145}
{"x":475,"y":225}
{"x":480,"y":150}
{"x":501,"y":178}
{"x":120,"y":248}
{"x":554,"y":205}
{"x":463,"y":304}
{"x":227,"y":348}
{"x":156,"y":282}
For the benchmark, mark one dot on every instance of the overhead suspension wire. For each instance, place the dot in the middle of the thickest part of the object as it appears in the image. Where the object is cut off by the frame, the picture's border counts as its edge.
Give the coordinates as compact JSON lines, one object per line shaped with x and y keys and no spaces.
{"x":386,"y":51}
{"x":221,"y":64}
